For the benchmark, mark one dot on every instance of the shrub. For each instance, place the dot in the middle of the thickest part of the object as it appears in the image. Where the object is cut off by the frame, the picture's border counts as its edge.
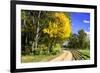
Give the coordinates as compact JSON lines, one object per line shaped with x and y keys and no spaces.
{"x":56,"y":49}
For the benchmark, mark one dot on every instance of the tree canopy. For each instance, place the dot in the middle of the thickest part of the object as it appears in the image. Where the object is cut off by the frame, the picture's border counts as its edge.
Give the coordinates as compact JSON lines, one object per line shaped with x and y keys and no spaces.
{"x":44,"y":28}
{"x":59,"y":28}
{"x":79,"y":40}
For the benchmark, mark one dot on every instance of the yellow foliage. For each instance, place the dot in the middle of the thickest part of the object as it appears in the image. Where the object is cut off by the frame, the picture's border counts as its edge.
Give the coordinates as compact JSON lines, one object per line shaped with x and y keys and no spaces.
{"x":60,"y":28}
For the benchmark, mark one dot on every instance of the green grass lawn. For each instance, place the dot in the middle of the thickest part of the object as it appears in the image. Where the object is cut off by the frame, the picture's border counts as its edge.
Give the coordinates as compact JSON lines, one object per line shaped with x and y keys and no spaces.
{"x":86,"y":53}
{"x":80,"y":54}
{"x":37,"y":58}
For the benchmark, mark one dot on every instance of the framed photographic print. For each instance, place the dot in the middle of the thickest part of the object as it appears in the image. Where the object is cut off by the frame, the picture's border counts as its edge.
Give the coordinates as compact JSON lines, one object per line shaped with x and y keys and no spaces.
{"x":52,"y":36}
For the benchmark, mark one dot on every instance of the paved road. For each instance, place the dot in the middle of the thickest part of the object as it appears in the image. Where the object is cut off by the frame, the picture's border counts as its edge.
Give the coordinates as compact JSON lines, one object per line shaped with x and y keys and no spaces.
{"x":65,"y":56}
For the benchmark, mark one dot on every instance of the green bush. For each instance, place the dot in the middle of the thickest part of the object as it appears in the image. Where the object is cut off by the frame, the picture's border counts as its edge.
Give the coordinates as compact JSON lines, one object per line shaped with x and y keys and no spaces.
{"x":56,"y":49}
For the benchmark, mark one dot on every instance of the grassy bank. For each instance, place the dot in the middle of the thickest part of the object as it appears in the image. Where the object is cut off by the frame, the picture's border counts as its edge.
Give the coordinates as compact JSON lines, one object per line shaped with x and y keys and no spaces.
{"x":37,"y":58}
{"x":85,"y":54}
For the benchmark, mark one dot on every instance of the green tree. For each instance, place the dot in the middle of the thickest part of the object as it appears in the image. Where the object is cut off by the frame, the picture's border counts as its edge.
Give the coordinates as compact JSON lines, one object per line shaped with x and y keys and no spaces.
{"x":32,"y":24}
{"x":82,"y":38}
{"x":79,"y":40}
{"x":73,"y":41}
{"x":26,"y":29}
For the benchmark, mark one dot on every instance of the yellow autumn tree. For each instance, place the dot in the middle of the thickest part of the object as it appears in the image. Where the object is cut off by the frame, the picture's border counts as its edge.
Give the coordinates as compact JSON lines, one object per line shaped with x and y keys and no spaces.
{"x":59,"y":28}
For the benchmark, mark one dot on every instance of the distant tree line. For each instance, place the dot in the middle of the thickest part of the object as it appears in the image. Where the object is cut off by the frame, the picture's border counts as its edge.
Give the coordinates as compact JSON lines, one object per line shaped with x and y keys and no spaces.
{"x":79,"y":41}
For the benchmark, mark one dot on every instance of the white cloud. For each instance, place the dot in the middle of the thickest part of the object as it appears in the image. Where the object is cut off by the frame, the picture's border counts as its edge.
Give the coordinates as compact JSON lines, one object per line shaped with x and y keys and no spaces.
{"x":86,"y":21}
{"x":87,"y":32}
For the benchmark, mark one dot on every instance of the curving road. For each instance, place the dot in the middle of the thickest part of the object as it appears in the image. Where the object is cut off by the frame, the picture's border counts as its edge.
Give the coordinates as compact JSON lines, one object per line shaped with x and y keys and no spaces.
{"x":65,"y":56}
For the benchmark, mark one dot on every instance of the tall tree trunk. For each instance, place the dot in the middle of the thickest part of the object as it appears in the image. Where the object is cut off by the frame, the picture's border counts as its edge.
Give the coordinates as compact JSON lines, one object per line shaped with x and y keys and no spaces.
{"x":35,"y":43}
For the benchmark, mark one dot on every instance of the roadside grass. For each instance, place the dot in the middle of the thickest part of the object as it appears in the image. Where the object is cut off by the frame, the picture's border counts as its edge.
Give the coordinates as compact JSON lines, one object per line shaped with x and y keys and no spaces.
{"x":80,"y":54}
{"x":85,"y":53}
{"x":37,"y":58}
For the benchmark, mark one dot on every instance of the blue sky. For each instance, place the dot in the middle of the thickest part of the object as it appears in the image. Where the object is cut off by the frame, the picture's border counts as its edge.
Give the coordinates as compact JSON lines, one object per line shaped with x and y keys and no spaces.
{"x":80,"y":21}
